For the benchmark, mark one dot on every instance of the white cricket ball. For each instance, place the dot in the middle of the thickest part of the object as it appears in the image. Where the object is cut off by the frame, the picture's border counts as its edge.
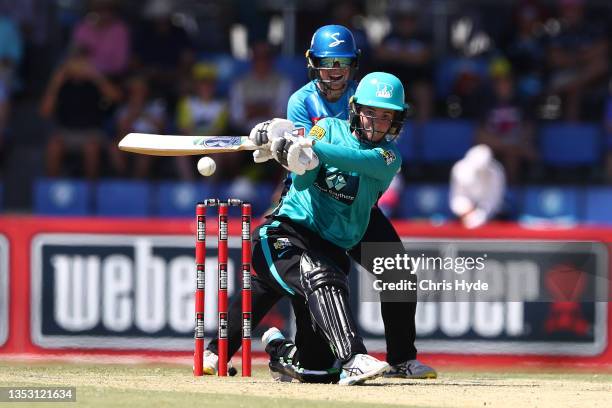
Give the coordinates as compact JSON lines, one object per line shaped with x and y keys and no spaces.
{"x":207,"y":166}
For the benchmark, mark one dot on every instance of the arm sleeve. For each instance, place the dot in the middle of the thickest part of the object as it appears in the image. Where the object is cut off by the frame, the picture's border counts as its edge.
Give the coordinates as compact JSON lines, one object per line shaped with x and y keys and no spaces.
{"x":296,"y":112}
{"x":377,"y":163}
{"x":305,"y":180}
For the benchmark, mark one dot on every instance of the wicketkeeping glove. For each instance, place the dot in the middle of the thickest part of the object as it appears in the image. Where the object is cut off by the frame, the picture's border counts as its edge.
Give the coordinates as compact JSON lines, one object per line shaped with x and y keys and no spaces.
{"x":294,"y":153}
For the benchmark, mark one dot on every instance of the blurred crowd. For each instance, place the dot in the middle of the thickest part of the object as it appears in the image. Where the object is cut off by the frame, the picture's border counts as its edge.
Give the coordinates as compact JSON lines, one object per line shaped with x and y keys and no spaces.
{"x":92,"y":71}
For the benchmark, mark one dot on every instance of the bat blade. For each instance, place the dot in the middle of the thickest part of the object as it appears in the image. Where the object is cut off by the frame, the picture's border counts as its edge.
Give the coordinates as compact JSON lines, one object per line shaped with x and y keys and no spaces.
{"x":173,"y":145}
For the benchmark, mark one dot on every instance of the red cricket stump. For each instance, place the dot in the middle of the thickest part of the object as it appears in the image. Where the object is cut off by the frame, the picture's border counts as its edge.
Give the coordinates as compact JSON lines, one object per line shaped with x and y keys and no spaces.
{"x":200,"y":255}
{"x":246,"y":290}
{"x":222,"y":288}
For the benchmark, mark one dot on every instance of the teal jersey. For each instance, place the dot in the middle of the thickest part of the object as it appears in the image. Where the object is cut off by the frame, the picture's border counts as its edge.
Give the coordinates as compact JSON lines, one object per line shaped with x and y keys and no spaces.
{"x":334,"y":200}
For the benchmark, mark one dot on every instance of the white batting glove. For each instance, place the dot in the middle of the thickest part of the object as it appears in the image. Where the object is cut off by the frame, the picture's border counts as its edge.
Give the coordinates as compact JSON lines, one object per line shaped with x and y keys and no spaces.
{"x":262,"y":155}
{"x":294,"y":153}
{"x":264,"y":133}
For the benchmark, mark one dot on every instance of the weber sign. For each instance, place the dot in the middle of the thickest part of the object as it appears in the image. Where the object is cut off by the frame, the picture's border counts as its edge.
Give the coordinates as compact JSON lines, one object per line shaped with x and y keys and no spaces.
{"x":121,"y":292}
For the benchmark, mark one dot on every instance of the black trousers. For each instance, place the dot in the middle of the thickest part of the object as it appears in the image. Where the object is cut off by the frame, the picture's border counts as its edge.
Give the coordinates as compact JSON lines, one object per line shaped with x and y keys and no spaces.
{"x":398,"y":317}
{"x":278,"y":246}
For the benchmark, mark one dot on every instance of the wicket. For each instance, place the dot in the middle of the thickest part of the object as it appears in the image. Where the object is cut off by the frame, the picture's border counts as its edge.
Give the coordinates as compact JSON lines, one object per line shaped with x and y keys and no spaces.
{"x":200,"y":254}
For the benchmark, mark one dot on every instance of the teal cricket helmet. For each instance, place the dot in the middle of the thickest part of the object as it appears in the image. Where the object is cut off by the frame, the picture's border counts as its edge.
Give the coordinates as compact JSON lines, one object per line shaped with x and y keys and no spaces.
{"x":379,"y":90}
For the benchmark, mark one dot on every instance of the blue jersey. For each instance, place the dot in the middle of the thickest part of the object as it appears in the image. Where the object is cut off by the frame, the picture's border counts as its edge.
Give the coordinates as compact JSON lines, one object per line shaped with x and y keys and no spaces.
{"x":334,"y":200}
{"x":307,"y":106}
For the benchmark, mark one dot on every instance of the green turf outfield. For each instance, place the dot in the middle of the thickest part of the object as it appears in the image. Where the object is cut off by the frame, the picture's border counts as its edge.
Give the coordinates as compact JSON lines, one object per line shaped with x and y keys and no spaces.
{"x":169,"y":385}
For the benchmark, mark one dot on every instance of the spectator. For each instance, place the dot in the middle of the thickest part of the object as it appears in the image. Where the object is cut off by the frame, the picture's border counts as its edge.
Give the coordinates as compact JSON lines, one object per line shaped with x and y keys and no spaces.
{"x":407,"y":53}
{"x":577,"y":57}
{"x":77,"y":98}
{"x":141,"y":114}
{"x":11,"y":51}
{"x":261,"y":94}
{"x":162,"y":50}
{"x":201,"y":113}
{"x":526,"y":50}
{"x":477,"y":187}
{"x":105,"y":36}
{"x":505,"y":126}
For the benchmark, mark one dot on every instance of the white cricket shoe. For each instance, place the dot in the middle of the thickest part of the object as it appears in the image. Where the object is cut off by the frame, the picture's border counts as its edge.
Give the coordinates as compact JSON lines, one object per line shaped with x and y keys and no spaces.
{"x":271,"y":334}
{"x":412,"y":369}
{"x":211,"y":364}
{"x":360,"y":368}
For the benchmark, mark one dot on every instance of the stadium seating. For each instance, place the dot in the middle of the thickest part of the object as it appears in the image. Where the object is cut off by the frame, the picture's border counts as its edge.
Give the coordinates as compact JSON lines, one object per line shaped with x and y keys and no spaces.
{"x":570,"y":145}
{"x":123,"y":198}
{"x":552,"y":203}
{"x":597,"y":205}
{"x":446,"y":140}
{"x":425,"y":201}
{"x":407,"y":142}
{"x":176,"y":199}
{"x":258,"y":194}
{"x":62,"y":197}
{"x":448,"y":70}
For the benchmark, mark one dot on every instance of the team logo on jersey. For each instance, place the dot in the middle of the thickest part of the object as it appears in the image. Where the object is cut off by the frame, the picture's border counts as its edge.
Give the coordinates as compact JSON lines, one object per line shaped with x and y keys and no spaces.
{"x":281,"y":243}
{"x":337,"y":41}
{"x":384,"y":90}
{"x":317,"y":131}
{"x":388,"y":155}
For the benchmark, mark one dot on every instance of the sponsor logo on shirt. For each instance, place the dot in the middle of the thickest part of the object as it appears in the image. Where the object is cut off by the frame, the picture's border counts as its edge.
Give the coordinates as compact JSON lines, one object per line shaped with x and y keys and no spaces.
{"x":388,"y":155}
{"x":281,"y":243}
{"x":339,"y":185}
{"x":317,"y":132}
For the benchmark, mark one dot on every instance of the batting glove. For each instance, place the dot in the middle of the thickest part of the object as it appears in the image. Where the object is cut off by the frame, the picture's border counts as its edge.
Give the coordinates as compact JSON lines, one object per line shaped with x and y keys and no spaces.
{"x":264,"y":133}
{"x":262,"y":155}
{"x":294,"y":153}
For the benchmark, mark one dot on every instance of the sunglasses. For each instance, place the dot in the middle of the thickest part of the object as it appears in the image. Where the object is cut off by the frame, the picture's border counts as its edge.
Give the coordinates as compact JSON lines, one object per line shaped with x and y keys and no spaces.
{"x":342,"y":62}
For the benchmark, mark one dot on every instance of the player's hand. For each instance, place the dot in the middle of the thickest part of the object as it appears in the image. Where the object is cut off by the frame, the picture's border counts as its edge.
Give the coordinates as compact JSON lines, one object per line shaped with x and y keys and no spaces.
{"x":294,"y":153}
{"x":262,"y":155}
{"x":264,"y":133}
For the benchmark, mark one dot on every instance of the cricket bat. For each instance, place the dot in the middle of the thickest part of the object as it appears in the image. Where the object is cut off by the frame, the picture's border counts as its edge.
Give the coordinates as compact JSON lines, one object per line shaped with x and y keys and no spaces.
{"x":173,"y":145}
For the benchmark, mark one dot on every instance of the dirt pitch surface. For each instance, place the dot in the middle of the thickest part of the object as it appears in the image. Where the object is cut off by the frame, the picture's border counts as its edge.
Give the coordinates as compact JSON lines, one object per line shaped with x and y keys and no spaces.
{"x":165,"y":386}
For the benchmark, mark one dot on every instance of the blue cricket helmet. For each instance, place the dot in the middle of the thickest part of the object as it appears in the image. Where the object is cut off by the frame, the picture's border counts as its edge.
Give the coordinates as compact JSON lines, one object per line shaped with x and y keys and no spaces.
{"x":333,"y":41}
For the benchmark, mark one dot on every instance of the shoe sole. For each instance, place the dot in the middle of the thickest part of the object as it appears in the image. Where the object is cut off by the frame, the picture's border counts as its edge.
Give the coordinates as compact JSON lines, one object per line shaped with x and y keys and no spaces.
{"x":360,"y":379}
{"x":427,"y":376}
